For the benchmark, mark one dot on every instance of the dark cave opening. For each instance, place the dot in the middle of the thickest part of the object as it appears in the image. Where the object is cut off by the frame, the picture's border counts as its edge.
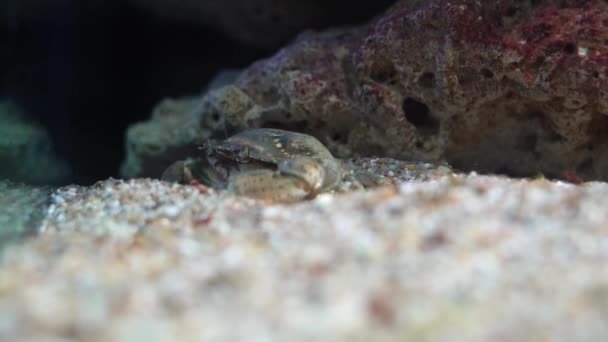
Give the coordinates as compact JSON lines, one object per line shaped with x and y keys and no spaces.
{"x":87,"y":77}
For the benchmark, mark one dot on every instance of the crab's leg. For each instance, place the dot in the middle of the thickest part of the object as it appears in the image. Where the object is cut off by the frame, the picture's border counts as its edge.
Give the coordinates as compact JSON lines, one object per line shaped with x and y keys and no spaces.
{"x":269,"y":185}
{"x":365,"y":179}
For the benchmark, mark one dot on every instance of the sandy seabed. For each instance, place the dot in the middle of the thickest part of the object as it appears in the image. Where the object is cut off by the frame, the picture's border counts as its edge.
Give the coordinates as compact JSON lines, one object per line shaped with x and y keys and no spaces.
{"x":439,"y":256}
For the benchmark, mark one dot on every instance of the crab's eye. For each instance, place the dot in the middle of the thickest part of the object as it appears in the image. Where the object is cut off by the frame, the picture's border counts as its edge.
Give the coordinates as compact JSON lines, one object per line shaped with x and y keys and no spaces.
{"x":206,"y":146}
{"x":244,"y":153}
{"x":224,"y":151}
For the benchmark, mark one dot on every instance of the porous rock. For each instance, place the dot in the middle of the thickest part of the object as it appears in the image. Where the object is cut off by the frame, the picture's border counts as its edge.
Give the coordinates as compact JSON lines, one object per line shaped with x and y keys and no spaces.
{"x":503,"y":86}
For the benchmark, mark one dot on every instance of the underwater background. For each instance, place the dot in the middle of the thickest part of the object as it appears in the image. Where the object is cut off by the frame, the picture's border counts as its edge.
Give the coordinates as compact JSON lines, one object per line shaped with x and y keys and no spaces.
{"x":291,"y":170}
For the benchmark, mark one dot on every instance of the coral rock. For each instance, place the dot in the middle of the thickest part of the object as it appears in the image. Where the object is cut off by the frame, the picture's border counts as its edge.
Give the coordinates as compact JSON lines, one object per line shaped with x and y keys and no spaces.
{"x":503,"y":86}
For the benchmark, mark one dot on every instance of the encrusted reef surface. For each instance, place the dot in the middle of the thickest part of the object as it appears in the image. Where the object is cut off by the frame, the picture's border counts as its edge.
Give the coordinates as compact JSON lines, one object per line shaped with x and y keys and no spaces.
{"x":436,"y":257}
{"x":494,"y":86}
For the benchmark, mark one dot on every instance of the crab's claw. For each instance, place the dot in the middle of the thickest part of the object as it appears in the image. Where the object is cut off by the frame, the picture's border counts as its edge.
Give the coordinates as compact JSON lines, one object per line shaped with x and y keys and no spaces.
{"x":197,"y":169}
{"x":371,"y":180}
{"x":178,"y":172}
{"x":269,"y":185}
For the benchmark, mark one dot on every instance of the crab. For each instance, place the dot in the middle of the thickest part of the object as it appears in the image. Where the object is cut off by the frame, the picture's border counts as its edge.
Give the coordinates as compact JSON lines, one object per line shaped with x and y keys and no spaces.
{"x":270,"y":164}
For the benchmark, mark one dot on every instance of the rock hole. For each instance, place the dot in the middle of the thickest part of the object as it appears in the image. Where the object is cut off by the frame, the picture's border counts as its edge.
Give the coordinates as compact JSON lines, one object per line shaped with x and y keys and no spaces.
{"x":570,"y":48}
{"x":487,"y":73}
{"x":511,"y":11}
{"x":337,"y":136}
{"x":538,"y":61}
{"x":554,"y":137}
{"x":383,"y":71}
{"x":419,"y":115}
{"x":212,"y":120}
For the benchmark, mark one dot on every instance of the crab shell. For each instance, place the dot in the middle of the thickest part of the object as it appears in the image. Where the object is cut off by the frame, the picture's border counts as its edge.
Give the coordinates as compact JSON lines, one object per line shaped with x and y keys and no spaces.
{"x":272,"y":146}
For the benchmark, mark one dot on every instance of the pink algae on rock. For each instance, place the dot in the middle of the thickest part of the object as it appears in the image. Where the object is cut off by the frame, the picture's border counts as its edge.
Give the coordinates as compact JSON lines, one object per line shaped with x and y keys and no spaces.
{"x":493,"y":86}
{"x":517,"y":86}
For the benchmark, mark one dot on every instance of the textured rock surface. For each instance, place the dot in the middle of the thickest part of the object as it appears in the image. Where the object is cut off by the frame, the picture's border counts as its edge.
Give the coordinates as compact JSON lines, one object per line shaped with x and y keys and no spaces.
{"x":503,"y":86}
{"x":480,"y":258}
{"x":26,"y":153}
